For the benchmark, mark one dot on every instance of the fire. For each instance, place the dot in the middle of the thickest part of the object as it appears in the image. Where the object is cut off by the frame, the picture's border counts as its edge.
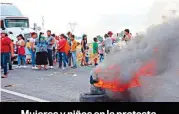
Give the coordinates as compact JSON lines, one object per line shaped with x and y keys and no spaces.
{"x":147,"y":69}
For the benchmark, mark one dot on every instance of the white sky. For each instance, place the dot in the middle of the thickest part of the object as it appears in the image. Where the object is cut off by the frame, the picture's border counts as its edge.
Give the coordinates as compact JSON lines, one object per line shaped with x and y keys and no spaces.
{"x":92,"y":16}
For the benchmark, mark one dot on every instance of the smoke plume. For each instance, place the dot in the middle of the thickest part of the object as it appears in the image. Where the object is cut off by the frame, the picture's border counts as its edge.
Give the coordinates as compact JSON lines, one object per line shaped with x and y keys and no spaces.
{"x":160,"y":43}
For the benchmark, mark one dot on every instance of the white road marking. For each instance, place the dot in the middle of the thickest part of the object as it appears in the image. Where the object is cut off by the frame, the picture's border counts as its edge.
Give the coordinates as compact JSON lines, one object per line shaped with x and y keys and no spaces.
{"x":23,"y":95}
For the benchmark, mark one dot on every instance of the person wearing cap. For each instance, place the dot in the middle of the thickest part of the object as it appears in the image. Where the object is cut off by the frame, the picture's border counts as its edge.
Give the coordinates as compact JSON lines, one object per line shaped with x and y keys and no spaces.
{"x":108,"y":43}
{"x":6,"y":49}
{"x":110,"y":34}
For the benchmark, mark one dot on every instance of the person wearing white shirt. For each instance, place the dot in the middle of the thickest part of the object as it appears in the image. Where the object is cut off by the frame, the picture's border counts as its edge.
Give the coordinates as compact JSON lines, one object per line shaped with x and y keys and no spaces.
{"x":108,"y":43}
{"x":32,"y":50}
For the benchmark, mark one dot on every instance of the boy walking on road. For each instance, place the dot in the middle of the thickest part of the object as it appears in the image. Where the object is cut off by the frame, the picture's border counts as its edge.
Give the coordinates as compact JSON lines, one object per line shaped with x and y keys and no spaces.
{"x":95,"y":51}
{"x":73,"y":50}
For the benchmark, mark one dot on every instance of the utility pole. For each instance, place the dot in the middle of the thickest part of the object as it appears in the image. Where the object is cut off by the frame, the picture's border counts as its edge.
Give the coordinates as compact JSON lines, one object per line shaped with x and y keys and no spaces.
{"x":43,"y":22}
{"x":72,"y":26}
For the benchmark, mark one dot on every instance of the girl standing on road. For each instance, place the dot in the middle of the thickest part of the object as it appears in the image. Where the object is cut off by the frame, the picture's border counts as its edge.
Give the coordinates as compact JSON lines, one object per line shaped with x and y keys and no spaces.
{"x":21,"y":50}
{"x":41,"y":49}
{"x":83,"y":49}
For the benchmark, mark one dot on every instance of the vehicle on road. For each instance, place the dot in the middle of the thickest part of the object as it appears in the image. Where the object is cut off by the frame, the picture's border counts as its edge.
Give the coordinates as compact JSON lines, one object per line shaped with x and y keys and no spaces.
{"x":14,"y":23}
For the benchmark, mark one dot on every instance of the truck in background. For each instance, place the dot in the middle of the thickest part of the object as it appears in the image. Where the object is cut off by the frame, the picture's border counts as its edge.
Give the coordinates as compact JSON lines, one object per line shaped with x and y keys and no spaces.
{"x":13,"y":22}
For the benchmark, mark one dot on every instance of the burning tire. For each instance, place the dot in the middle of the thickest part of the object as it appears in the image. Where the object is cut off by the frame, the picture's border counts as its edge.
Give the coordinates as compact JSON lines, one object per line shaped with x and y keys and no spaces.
{"x":88,"y":97}
{"x":97,"y":90}
{"x":131,"y":95}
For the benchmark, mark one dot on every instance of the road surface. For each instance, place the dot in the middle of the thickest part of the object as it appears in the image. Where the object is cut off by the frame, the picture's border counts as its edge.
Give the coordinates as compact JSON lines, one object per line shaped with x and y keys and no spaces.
{"x":56,"y":85}
{"x":53,"y":85}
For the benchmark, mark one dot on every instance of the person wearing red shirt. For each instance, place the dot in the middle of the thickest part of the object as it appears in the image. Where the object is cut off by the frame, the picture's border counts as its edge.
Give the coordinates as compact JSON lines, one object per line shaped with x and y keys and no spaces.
{"x":6,"y":49}
{"x":61,"y":50}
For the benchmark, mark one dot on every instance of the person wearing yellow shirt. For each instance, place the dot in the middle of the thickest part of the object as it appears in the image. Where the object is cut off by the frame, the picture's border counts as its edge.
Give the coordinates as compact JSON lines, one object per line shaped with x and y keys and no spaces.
{"x":73,"y":50}
{"x":28,"y":44}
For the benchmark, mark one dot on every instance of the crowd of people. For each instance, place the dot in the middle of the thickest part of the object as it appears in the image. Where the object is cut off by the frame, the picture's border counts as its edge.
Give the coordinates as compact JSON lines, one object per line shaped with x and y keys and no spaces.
{"x":46,"y":51}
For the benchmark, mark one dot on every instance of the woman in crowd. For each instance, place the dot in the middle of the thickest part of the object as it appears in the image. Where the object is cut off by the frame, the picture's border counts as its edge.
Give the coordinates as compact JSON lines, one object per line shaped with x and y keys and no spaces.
{"x":83,"y":49}
{"x":41,"y":51}
{"x":21,"y":50}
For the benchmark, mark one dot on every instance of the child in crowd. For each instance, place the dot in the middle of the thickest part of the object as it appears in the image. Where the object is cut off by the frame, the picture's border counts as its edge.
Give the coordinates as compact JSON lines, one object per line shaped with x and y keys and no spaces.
{"x":28,"y":56}
{"x":95,"y":51}
{"x":87,"y":55}
{"x":101,"y":51}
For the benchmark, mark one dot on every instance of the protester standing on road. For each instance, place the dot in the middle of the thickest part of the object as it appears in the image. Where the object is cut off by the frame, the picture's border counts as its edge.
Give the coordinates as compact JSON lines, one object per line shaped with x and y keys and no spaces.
{"x":54,"y":49}
{"x":69,"y":54}
{"x":87,"y":56}
{"x":101,"y":51}
{"x":21,"y":50}
{"x":61,"y":50}
{"x":108,"y":43}
{"x":73,"y":50}
{"x":6,"y":49}
{"x":41,"y":49}
{"x":95,"y":51}
{"x":32,"y":49}
{"x":50,"y":48}
{"x":83,"y":48}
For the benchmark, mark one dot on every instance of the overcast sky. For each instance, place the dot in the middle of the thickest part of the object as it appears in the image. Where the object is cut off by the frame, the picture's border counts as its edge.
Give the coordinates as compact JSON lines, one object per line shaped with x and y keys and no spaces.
{"x":92,"y":16}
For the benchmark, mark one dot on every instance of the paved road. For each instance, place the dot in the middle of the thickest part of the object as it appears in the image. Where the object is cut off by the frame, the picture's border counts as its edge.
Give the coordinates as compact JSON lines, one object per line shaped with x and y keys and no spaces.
{"x":56,"y":85}
{"x":6,"y":97}
{"x":51,"y":85}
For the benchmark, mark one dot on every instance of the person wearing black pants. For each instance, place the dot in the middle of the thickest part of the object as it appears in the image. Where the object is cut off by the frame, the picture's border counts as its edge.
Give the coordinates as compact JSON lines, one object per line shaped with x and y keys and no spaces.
{"x":50,"y":57}
{"x":69,"y":56}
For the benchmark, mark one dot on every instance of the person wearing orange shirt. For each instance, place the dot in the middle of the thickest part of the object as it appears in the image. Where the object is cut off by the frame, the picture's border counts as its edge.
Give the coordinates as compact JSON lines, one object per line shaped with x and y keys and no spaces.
{"x":73,"y":50}
{"x":62,"y":51}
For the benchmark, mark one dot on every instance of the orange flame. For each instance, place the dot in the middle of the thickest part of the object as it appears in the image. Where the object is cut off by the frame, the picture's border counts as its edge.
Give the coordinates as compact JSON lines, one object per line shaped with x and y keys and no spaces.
{"x":147,"y":70}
